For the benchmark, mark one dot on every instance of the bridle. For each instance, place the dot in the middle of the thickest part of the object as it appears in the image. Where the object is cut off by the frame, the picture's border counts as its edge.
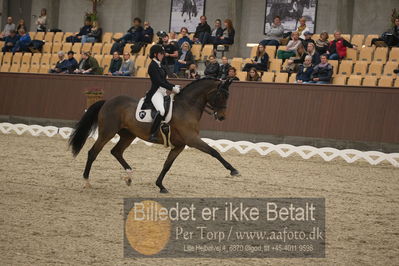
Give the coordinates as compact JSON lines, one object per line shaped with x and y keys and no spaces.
{"x":211,"y":104}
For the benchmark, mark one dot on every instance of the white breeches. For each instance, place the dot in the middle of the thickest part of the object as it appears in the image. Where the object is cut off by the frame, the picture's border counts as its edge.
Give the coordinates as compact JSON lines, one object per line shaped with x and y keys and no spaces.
{"x":157,"y":100}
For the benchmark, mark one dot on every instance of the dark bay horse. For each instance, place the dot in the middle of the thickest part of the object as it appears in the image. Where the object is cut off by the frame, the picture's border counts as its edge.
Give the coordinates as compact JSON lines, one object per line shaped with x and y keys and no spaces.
{"x":117,"y":116}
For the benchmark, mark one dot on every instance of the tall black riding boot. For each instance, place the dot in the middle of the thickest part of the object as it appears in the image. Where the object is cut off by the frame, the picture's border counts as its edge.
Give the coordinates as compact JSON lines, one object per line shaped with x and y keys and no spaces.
{"x":155,"y":127}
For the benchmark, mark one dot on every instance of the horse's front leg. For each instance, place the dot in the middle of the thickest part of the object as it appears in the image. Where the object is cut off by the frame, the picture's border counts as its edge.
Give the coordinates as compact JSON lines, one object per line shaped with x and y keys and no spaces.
{"x":168,"y":163}
{"x":202,"y":146}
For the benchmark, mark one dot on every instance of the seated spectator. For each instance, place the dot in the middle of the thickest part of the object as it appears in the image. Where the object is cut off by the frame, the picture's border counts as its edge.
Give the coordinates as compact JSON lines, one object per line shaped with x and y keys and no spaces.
{"x":62,"y":65}
{"x":308,"y":39}
{"x":9,"y":41}
{"x":216,"y":33}
{"x":292,"y":47}
{"x":294,"y":62}
{"x":127,"y":67}
{"x":77,"y":37}
{"x":184,"y":38}
{"x":224,"y":67}
{"x":232,"y":74}
{"x":252,"y":75}
{"x":185,"y":57}
{"x":21,"y":25}
{"x":302,"y":55}
{"x":22,"y":45}
{"x":148,"y":32}
{"x":274,"y":34}
{"x":322,"y":43}
{"x":95,"y":34}
{"x":260,"y":61}
{"x":8,"y":27}
{"x":115,"y":64}
{"x":73,"y":64}
{"x":134,"y":34}
{"x":171,"y":54}
{"x":390,"y":37}
{"x":311,"y":50}
{"x":337,"y":48}
{"x":212,"y":67}
{"x":302,"y":28}
{"x":202,"y":31}
{"x":305,"y":71}
{"x":88,"y":65}
{"x":322,"y":73}
{"x":41,"y":21}
{"x":192,"y":73}
{"x":228,"y":34}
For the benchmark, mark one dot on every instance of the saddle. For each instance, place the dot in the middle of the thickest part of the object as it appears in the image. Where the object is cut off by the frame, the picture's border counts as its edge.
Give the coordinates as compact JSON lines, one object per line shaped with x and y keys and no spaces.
{"x":146,"y":112}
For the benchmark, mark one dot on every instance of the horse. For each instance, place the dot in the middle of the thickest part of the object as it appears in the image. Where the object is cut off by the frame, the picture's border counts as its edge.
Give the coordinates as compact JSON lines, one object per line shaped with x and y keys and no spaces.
{"x":116,"y":116}
{"x":189,"y":7}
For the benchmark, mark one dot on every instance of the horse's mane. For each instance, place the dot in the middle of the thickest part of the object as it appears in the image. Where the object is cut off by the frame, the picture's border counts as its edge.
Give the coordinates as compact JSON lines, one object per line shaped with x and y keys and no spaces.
{"x":196,"y":81}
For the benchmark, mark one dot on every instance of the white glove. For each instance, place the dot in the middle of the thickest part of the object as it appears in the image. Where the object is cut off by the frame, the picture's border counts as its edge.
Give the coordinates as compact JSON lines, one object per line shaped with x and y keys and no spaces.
{"x":176,"y":89}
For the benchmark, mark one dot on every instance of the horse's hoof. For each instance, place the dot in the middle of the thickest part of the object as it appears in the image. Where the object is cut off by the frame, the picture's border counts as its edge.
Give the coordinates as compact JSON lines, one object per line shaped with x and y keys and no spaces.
{"x":128,"y":181}
{"x":164,"y":191}
{"x":87,"y":185}
{"x":235,"y":173}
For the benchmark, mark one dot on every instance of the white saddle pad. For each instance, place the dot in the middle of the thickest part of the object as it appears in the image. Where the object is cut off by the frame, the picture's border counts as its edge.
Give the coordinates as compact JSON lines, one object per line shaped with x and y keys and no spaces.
{"x":145,"y":115}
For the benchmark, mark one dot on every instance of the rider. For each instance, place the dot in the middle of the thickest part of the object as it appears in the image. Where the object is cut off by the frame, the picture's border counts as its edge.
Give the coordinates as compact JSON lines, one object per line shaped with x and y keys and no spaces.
{"x":158,"y":88}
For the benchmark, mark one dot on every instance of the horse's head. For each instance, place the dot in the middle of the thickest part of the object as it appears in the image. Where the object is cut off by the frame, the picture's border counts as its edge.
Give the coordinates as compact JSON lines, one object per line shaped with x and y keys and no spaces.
{"x":217,"y":99}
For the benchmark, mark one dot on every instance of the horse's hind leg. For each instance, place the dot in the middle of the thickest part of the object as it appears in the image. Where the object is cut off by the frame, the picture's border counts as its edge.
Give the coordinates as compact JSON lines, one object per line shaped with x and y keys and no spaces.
{"x":168,"y":163}
{"x":93,"y":152}
{"x":125,"y":140}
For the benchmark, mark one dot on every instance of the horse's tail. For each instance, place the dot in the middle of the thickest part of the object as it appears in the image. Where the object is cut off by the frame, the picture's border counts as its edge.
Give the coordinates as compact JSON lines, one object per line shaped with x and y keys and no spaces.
{"x":84,"y":127}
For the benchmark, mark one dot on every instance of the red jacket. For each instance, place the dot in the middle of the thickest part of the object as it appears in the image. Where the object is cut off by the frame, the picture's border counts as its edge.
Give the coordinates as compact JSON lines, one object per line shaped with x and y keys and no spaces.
{"x":340,"y":47}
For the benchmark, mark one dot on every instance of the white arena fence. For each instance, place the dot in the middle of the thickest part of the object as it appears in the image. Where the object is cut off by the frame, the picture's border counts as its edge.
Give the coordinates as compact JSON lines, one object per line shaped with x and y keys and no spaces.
{"x":223,"y":145}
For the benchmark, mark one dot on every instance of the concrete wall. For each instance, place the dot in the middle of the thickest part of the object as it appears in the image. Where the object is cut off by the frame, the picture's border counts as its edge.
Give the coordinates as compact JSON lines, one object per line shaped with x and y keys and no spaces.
{"x":71,"y":15}
{"x":372,"y":16}
{"x":158,"y":14}
{"x":115,"y":15}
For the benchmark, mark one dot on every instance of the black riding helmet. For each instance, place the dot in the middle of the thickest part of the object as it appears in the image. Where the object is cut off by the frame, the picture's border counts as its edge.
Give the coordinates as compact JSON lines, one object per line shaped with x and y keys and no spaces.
{"x":156,"y":49}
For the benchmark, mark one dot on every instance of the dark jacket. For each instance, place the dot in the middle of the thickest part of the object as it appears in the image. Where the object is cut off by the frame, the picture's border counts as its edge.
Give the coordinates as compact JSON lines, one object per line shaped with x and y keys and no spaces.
{"x":10,"y":39}
{"x":97,"y":34}
{"x":219,"y":32}
{"x":223,"y":71}
{"x":72,"y":64}
{"x":202,"y":28}
{"x":212,"y":70}
{"x":137,"y":33}
{"x":189,"y":57}
{"x":85,"y":30}
{"x":323,"y":73}
{"x":182,"y":40}
{"x":264,"y":61}
{"x":92,"y":63}
{"x":230,"y":38}
{"x":62,"y":66}
{"x":150,"y":32}
{"x":304,"y":73}
{"x":115,"y":65}
{"x":158,"y":79}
